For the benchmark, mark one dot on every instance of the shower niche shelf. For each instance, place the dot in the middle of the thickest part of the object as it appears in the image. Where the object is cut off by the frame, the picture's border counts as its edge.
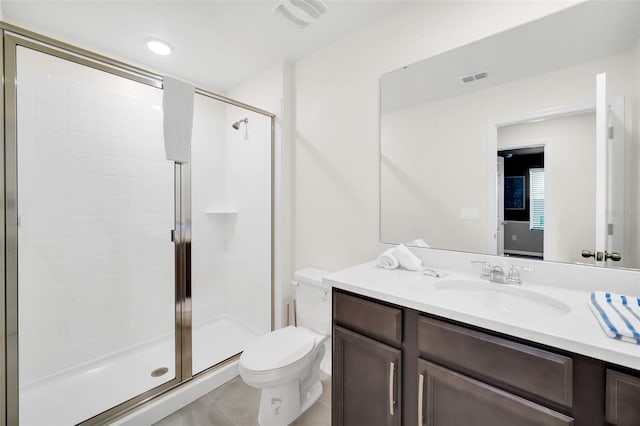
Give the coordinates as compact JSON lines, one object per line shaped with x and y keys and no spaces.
{"x":224,"y":210}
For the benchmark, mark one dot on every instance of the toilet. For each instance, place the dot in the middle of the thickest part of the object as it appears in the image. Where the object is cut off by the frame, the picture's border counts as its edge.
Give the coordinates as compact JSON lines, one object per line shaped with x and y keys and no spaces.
{"x":285,"y":363}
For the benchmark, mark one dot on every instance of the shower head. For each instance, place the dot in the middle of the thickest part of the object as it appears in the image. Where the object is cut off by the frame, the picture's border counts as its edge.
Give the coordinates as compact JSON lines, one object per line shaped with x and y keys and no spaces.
{"x":236,"y":125}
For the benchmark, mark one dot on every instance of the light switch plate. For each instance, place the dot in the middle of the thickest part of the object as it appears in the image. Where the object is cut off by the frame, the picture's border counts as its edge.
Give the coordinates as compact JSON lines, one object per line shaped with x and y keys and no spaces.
{"x":470,"y":213}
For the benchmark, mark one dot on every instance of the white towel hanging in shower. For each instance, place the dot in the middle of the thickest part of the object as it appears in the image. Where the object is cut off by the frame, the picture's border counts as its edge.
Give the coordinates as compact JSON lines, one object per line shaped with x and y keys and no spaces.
{"x":177,"y":121}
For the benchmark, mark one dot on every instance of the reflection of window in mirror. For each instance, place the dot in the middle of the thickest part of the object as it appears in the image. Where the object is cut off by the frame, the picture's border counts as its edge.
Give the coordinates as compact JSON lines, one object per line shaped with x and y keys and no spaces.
{"x":536,"y":199}
{"x":514,"y":191}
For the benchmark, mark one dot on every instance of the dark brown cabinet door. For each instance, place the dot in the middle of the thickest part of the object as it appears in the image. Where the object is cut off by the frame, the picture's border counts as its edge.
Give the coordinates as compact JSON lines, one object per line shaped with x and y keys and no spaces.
{"x":623,"y":399}
{"x":447,"y":398}
{"x":366,"y":381}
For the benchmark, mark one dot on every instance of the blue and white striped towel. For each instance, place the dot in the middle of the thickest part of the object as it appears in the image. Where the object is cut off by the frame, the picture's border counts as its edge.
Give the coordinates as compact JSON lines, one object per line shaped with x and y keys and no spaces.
{"x":618,"y":315}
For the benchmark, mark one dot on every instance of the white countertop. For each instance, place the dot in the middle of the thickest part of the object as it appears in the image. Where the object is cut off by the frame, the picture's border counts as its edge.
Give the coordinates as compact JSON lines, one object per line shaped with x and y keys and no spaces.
{"x":577,"y":331}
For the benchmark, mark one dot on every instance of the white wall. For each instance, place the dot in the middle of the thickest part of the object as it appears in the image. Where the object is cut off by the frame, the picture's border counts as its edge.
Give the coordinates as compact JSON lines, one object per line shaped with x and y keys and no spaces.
{"x":96,"y":264}
{"x":209,"y":235}
{"x":337,"y":107}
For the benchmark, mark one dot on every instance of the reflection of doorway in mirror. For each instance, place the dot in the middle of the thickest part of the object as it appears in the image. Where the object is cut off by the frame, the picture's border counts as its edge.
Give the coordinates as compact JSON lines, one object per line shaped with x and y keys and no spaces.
{"x":522,"y":208}
{"x":568,"y":134}
{"x":566,"y":144}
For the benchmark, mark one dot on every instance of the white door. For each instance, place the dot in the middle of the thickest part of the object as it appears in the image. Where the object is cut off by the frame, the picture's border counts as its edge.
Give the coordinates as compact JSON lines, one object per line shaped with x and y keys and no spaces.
{"x":500,"y":207}
{"x":602,"y":202}
{"x":615,"y":178}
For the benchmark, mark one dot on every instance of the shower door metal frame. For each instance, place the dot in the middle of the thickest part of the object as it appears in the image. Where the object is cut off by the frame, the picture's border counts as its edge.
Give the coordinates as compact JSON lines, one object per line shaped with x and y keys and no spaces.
{"x":10,"y":38}
{"x":12,"y":41}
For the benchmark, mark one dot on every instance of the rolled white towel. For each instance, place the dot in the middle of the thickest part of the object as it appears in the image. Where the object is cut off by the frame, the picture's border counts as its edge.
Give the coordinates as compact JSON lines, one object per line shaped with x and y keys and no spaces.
{"x":419,"y":242}
{"x":387,"y":260}
{"x":407,"y":259}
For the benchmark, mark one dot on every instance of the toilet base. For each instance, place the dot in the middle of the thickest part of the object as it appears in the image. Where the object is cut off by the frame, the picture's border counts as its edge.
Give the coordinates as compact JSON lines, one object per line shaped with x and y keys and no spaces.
{"x":281,"y":405}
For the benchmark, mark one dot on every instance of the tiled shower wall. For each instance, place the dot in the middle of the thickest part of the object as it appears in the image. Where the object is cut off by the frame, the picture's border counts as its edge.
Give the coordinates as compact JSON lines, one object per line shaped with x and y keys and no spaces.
{"x":96,"y":206}
{"x":231,"y":222}
{"x":248,"y":186}
{"x":209,"y":236}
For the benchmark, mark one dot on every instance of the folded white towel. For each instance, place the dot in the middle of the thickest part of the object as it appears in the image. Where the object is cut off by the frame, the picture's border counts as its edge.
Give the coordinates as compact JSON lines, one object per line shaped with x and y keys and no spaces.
{"x":387,"y":260}
{"x":419,"y":242}
{"x":407,"y":259}
{"x":177,"y":117}
{"x":618,"y":315}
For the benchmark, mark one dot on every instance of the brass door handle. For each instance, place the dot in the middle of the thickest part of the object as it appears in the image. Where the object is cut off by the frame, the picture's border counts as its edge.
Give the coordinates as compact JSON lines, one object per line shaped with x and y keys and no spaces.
{"x":597,"y":255}
{"x":616,"y":257}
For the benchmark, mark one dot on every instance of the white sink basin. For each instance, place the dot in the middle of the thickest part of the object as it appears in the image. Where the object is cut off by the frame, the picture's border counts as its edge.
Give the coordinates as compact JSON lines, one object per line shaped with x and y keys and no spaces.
{"x":506,"y":298}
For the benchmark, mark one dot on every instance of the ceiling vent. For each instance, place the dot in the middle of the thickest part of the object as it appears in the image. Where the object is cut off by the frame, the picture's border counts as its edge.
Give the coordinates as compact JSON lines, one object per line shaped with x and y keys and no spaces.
{"x":302,"y":13}
{"x":474,"y":77}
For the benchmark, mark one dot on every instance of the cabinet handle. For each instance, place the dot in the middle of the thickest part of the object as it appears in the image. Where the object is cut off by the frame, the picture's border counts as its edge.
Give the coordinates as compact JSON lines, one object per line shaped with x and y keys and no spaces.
{"x":392,"y":369}
{"x":420,"y":391}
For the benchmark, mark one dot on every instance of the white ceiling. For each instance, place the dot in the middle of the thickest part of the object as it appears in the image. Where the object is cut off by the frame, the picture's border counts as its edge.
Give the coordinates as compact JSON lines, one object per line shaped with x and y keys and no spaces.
{"x":582,"y":33}
{"x":217,"y":44}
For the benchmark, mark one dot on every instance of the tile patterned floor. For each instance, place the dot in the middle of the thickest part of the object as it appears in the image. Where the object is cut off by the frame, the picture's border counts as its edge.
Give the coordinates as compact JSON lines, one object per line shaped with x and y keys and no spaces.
{"x":236,"y":404}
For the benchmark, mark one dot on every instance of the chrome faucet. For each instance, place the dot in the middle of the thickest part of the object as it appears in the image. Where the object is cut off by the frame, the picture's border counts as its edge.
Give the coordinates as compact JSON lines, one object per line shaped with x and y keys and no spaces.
{"x":514,"y":273}
{"x":486,"y":268}
{"x":496,"y":274}
{"x":493,"y":273}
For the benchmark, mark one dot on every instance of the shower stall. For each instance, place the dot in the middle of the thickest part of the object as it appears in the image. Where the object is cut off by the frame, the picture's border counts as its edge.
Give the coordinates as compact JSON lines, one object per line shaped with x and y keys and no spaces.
{"x":126,"y":275}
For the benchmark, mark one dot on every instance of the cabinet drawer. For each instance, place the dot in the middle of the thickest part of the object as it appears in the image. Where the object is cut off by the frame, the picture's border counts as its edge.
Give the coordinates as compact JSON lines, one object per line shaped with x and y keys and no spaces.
{"x":452,"y":399}
{"x":623,"y":399}
{"x":498,"y":361}
{"x":370,"y":318}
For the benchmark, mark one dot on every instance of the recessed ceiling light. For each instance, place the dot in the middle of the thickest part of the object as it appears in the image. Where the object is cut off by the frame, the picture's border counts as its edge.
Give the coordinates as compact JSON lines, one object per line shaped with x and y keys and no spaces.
{"x":158,"y":46}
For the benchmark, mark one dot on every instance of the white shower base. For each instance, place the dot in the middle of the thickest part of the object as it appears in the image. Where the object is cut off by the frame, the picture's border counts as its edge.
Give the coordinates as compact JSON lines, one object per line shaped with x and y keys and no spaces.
{"x":77,"y":394}
{"x":218,"y":340}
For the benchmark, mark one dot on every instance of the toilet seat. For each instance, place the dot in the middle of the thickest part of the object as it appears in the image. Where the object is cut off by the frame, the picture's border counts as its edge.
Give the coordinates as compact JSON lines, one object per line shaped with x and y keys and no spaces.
{"x":279,"y":355}
{"x":277,"y":349}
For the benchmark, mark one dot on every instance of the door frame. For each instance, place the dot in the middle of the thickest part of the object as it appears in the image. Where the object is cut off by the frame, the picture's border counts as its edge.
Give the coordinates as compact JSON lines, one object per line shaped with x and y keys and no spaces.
{"x":500,"y":206}
{"x":534,"y":143}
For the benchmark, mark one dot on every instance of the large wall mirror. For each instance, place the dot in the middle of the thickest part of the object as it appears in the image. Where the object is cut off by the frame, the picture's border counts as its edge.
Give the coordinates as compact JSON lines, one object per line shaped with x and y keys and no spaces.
{"x":523,"y":144}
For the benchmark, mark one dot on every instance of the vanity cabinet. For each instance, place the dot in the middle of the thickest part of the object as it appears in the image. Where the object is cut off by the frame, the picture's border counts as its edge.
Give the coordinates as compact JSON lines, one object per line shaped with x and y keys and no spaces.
{"x":396,"y":366}
{"x":367,"y":363}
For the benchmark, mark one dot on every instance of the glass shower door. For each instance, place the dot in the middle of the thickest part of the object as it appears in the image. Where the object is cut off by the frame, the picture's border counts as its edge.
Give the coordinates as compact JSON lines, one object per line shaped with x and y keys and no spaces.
{"x":95,"y":206}
{"x":230,"y":230}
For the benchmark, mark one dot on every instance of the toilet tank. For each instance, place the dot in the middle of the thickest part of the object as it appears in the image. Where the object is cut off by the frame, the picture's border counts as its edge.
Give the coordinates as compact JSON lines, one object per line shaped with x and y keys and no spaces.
{"x":313,"y":300}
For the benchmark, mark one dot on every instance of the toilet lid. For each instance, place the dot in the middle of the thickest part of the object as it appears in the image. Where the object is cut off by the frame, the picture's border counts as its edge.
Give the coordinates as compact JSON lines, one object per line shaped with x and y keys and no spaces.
{"x":277,"y":349}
